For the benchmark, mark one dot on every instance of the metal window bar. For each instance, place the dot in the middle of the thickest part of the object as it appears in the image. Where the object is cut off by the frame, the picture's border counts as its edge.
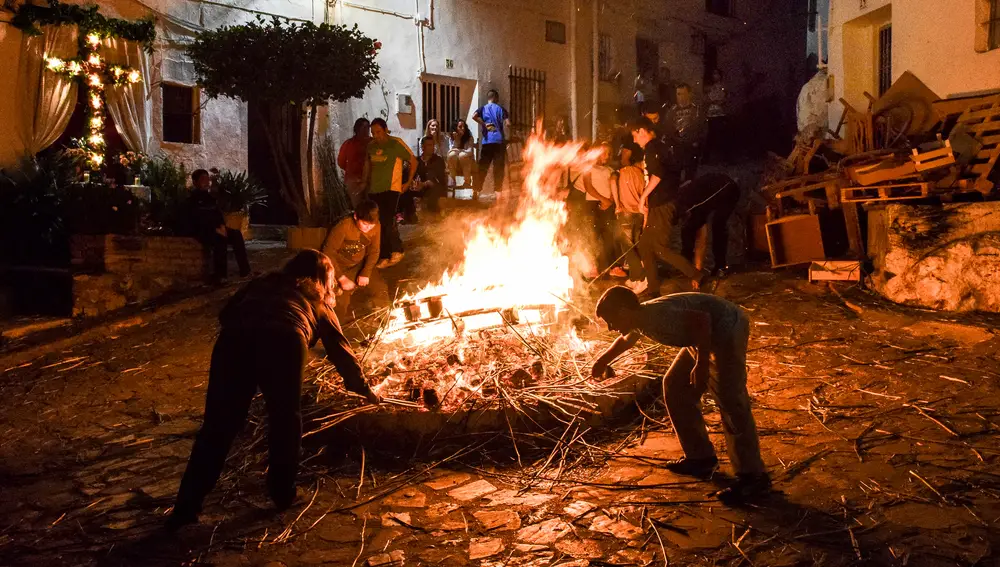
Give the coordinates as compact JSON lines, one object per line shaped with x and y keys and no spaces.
{"x":884,"y":59}
{"x":604,"y":58}
{"x":994,"y":24}
{"x":527,"y":100}
{"x":441,"y":102}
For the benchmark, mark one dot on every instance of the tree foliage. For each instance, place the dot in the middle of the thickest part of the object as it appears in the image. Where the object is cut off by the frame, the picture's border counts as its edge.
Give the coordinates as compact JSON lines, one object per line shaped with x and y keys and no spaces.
{"x":278,"y":61}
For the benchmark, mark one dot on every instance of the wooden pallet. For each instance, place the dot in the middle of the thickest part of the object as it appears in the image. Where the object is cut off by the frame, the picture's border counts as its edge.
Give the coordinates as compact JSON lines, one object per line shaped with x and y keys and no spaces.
{"x":826,"y":193}
{"x":884,"y":193}
{"x":982,"y":121}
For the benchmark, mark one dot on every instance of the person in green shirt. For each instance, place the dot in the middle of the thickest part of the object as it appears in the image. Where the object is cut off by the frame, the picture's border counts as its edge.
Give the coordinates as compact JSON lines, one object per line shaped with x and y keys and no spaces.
{"x":384,"y":175}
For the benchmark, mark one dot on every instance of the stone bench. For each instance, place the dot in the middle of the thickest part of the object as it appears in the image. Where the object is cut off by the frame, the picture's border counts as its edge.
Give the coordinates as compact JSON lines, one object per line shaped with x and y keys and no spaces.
{"x":111,"y":271}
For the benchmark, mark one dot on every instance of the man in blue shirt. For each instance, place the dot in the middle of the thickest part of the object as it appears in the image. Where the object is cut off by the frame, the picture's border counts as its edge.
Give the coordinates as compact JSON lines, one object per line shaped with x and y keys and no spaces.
{"x":493,"y":120}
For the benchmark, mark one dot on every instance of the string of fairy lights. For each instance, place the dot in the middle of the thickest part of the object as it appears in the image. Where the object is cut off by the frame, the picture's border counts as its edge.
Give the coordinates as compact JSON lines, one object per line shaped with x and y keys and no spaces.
{"x":96,"y":74}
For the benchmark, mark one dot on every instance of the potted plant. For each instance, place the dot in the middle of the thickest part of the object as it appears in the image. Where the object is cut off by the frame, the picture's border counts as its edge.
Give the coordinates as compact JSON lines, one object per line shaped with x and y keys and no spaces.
{"x":238,"y":192}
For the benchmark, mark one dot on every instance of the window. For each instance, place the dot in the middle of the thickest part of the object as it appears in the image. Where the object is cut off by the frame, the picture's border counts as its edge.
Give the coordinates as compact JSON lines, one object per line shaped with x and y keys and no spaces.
{"x":604,"y":71}
{"x":994,"y":24}
{"x":884,"y":59}
{"x":555,"y":32}
{"x":441,"y":102}
{"x":181,"y":118}
{"x":719,"y":7}
{"x":813,"y":12}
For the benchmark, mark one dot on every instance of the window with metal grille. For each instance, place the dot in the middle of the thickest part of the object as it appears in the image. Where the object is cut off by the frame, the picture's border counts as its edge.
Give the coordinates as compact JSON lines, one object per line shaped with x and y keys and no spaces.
{"x":181,"y":120}
{"x":527,"y":99}
{"x":994,"y":25}
{"x":884,"y":59}
{"x":555,"y":32}
{"x":604,"y":60}
{"x":442,"y":102}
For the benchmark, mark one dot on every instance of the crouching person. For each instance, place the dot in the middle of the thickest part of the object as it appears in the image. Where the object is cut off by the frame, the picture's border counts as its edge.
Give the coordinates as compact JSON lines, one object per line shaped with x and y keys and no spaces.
{"x":267,"y":329}
{"x":353,"y":247}
{"x":704,"y":325}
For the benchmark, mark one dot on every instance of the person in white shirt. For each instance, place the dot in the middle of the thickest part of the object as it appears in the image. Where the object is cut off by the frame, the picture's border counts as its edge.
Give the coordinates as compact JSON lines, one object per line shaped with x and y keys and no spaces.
{"x":462,"y":155}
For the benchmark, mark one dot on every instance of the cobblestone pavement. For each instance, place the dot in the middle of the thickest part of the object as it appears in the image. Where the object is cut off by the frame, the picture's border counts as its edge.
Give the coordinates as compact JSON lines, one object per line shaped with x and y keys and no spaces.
{"x":878,"y":424}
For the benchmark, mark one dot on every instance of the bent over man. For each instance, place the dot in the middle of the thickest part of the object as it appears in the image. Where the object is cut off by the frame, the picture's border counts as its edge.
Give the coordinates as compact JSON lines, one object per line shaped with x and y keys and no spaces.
{"x":267,"y":329}
{"x":703,"y":325}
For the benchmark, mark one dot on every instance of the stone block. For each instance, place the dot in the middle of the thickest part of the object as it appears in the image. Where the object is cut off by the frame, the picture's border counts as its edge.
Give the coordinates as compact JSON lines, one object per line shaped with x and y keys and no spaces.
{"x":937,"y":256}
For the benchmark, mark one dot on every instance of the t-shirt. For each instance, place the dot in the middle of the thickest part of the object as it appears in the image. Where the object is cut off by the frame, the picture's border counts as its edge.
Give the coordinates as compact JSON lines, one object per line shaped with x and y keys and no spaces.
{"x":348,"y":247}
{"x":493,"y":113}
{"x":631,"y":182}
{"x":600,"y":178}
{"x":660,"y":163}
{"x":433,"y":171}
{"x":387,"y":164}
{"x":352,"y":157}
{"x":659,"y":317}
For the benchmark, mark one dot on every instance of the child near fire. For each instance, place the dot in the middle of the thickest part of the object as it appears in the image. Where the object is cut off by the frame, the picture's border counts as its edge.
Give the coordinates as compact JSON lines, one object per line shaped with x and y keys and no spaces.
{"x":267,"y":329}
{"x":702,"y":325}
{"x":353,"y":247}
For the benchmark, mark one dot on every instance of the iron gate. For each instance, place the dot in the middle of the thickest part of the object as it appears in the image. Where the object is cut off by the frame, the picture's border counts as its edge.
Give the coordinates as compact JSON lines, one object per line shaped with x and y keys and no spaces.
{"x":527,"y":100}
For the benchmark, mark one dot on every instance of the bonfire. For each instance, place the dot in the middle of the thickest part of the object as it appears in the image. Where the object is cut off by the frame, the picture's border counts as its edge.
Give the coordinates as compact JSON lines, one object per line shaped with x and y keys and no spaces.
{"x":501,"y":329}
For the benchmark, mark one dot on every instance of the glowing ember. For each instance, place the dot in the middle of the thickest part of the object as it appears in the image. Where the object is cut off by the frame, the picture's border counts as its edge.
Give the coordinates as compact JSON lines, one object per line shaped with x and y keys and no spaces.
{"x":514,"y":274}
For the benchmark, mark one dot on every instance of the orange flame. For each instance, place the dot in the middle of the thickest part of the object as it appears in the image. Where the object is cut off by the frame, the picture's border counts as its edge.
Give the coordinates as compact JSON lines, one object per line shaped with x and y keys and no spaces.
{"x":514,"y":266}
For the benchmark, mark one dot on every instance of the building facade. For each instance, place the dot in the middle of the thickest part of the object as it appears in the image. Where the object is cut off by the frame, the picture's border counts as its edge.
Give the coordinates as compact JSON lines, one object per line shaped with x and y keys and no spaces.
{"x":955,"y":51}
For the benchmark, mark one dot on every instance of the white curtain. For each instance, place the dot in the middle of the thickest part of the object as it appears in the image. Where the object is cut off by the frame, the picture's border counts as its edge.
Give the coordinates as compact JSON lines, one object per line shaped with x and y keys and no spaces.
{"x":46,"y":98}
{"x":129,"y":104}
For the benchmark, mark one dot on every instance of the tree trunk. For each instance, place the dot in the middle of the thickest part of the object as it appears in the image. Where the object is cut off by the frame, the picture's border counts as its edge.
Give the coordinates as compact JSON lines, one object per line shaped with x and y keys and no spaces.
{"x":312,"y":202}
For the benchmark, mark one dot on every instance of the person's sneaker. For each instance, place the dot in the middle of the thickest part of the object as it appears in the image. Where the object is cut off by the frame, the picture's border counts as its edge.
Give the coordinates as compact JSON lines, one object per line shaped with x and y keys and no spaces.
{"x":701,"y":468}
{"x":396,"y":258}
{"x":748,"y":487}
{"x":617,"y":272}
{"x":383,"y":263}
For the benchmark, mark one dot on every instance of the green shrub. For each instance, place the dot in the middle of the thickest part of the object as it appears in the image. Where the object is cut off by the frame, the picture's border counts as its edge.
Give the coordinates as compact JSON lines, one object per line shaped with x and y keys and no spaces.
{"x":238,"y":192}
{"x":168,"y":182}
{"x":32,"y":227}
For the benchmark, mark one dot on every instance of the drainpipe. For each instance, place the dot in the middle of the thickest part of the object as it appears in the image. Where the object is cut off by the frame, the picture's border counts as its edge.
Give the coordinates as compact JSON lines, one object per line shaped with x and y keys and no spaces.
{"x":596,"y":74}
{"x":573,"y":102}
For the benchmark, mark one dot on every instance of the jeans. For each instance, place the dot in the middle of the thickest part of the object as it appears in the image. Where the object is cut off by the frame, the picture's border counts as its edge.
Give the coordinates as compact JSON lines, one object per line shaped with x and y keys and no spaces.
{"x":242,"y":361}
{"x":219,"y":245}
{"x":495,"y":155}
{"x":729,"y":387}
{"x":719,"y":207}
{"x":629,"y":231}
{"x":655,"y":243}
{"x":376,"y":290}
{"x":390,"y":242}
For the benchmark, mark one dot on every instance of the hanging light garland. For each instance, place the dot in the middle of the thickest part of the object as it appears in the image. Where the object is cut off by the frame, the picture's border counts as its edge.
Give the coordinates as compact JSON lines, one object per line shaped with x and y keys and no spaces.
{"x":89,"y":68}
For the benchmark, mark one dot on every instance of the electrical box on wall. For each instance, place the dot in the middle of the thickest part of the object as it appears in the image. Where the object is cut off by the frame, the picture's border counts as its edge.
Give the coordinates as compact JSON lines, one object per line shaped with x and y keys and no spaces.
{"x":404,"y":104}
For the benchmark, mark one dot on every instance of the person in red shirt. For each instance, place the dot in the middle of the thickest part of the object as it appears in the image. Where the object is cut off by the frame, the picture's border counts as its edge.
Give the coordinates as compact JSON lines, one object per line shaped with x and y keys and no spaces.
{"x":351,"y":159}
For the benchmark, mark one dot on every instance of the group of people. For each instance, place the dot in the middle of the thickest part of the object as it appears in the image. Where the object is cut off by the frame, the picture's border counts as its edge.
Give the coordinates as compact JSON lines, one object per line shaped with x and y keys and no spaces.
{"x":270,"y":324}
{"x":627,"y":217}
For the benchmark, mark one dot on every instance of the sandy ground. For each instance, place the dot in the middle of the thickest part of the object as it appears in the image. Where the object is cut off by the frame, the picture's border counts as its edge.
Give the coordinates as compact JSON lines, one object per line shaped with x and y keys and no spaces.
{"x":878,"y":425}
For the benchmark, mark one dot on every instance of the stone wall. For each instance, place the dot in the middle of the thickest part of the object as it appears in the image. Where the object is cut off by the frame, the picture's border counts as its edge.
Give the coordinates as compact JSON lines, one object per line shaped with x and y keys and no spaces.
{"x":113,"y":271}
{"x":941,"y":257}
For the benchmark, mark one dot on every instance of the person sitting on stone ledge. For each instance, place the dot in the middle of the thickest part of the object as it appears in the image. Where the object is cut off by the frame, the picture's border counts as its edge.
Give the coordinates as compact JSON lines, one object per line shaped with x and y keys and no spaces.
{"x":353,"y":247}
{"x":268,"y":328}
{"x":203,"y":220}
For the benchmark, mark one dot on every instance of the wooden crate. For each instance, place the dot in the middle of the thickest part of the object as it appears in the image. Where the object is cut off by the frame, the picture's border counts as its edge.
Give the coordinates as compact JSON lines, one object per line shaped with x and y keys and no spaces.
{"x":835,"y":270}
{"x":795,"y":239}
{"x":933,"y":159}
{"x":893,"y":192}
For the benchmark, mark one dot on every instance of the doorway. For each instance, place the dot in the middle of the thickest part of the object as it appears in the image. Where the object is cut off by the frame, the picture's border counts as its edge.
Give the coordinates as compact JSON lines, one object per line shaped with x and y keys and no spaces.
{"x":285,"y":122}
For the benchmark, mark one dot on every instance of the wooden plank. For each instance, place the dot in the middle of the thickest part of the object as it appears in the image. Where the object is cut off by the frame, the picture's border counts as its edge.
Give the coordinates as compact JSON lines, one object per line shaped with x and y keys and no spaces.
{"x":895,"y":192}
{"x":855,"y":239}
{"x":976,"y":115}
{"x":835,"y":270}
{"x":881,"y":172}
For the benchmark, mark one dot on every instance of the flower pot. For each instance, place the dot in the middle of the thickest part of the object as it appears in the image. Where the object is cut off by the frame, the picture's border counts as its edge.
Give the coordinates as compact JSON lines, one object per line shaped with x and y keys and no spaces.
{"x":301,"y":237}
{"x":239,"y":221}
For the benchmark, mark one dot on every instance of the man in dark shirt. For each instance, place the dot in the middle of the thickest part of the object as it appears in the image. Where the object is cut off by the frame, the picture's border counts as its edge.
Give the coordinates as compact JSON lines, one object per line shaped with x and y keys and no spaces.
{"x":702,"y":325}
{"x":658,"y":204}
{"x":710,"y":200}
{"x":204,"y":221}
{"x":685,"y":127}
{"x":430,"y":183}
